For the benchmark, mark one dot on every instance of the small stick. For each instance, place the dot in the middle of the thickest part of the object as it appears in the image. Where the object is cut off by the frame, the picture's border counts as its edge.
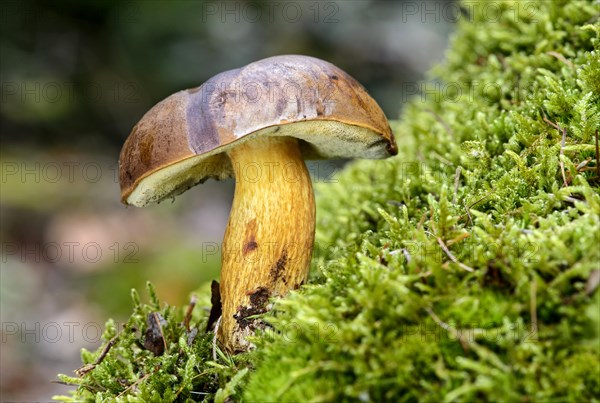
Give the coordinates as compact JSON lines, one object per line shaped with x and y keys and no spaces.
{"x":464,"y":343}
{"x":562,"y":153}
{"x":597,"y":156}
{"x":583,"y":163}
{"x":136,"y":382}
{"x":561,"y":58}
{"x":562,"y":147}
{"x":468,"y":214}
{"x":458,"y":238}
{"x":551,"y":124}
{"x":592,"y":282}
{"x":214,"y":342}
{"x":467,"y":208}
{"x":83,"y":370}
{"x":480,"y":199}
{"x":533,"y":307}
{"x":188,"y":313}
{"x":451,"y":256}
{"x":456,"y":180}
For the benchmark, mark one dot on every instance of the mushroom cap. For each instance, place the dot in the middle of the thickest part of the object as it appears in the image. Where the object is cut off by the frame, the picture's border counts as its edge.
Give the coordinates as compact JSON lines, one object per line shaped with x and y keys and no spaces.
{"x":183,"y":140}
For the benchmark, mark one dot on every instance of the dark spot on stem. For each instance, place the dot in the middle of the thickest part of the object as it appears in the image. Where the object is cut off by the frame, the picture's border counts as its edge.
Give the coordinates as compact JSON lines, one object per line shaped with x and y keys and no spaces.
{"x":259,"y":297}
{"x":249,"y":246}
{"x":278,"y":269}
{"x":259,"y":300}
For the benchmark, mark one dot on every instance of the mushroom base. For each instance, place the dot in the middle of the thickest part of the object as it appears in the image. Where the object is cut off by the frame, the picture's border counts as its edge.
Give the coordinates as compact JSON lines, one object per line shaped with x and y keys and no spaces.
{"x":270,"y":235}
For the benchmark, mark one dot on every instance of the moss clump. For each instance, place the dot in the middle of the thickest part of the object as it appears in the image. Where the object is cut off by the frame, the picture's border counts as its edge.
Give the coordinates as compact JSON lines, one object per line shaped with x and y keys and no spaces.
{"x":508,"y":312}
{"x":160,"y":354}
{"x":466,"y":267}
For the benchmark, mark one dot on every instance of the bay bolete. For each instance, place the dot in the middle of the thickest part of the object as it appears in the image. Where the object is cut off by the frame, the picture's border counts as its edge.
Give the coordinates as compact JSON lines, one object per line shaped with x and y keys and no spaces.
{"x":257,"y":124}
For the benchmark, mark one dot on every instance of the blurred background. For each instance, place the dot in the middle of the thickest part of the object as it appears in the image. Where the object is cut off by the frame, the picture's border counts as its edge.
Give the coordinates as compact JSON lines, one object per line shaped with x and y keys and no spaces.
{"x":75,"y":77}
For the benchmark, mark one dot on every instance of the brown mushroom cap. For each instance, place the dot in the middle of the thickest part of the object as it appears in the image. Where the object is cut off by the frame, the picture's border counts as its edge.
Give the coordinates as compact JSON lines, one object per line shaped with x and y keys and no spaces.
{"x":183,"y":140}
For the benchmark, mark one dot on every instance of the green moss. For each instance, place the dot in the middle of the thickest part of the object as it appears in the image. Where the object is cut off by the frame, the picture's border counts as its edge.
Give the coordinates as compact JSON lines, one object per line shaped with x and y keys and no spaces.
{"x":460,"y":270}
{"x":173,"y":364}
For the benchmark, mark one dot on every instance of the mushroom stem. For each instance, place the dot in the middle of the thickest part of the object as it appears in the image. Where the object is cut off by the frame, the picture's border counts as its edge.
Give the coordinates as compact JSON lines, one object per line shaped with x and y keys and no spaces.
{"x":270,"y":235}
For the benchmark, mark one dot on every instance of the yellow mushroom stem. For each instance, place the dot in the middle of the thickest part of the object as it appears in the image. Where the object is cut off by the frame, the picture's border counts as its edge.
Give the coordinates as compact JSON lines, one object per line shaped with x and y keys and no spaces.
{"x":270,"y":235}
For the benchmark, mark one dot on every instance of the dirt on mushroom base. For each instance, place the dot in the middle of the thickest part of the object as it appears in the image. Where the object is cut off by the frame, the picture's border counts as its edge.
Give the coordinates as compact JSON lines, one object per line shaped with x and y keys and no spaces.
{"x":381,"y":315}
{"x":248,"y":318}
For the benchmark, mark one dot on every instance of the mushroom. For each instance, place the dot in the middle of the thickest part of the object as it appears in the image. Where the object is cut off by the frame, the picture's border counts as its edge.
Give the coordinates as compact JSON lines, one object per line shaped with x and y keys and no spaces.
{"x":257,"y":124}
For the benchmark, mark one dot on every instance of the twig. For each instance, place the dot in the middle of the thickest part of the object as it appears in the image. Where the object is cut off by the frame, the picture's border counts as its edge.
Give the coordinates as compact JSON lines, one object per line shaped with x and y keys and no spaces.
{"x":451,"y":256}
{"x":458,"y":238}
{"x":464,"y":343}
{"x":561,"y":58}
{"x":562,"y":153}
{"x":480,"y":199}
{"x":582,"y":164}
{"x":136,"y":382}
{"x":562,"y":147}
{"x":456,"y":180}
{"x":592,"y":282}
{"x":83,"y":370}
{"x":597,"y":156}
{"x":468,"y":214}
{"x":467,"y":208}
{"x":533,"y":307}
{"x":188,"y":313}
{"x":214,"y":341}
{"x":551,"y":123}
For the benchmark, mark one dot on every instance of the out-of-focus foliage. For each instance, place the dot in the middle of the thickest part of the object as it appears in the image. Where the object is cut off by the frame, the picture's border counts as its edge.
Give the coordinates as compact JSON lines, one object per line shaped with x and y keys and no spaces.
{"x":94,"y":68}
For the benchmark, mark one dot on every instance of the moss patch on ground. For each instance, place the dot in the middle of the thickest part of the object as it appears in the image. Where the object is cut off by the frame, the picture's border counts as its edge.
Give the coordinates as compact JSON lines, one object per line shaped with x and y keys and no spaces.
{"x":466,"y":268}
